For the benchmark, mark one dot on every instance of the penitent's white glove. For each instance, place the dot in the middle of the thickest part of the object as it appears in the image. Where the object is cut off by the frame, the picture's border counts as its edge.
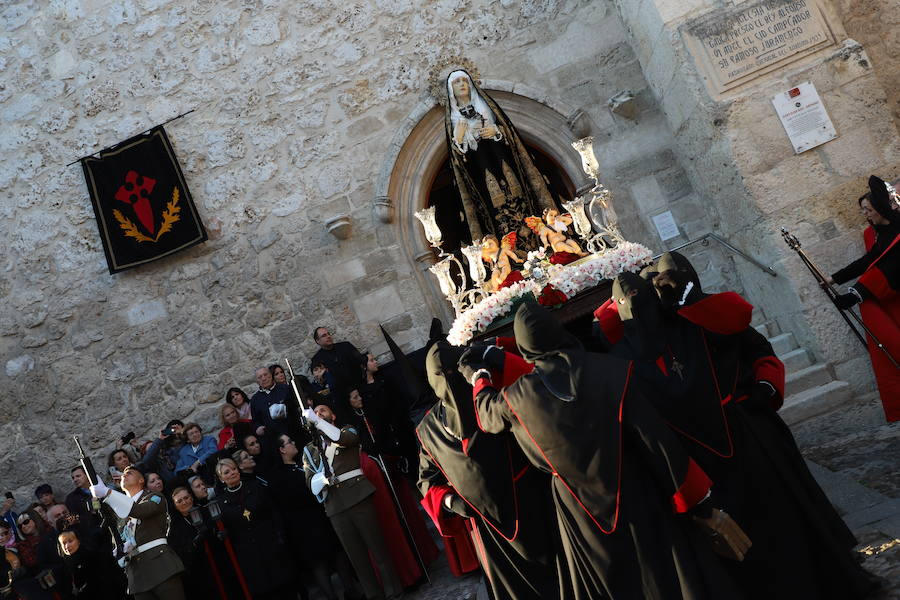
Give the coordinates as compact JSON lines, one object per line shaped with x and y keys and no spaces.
{"x":99,"y":490}
{"x":278,"y":411}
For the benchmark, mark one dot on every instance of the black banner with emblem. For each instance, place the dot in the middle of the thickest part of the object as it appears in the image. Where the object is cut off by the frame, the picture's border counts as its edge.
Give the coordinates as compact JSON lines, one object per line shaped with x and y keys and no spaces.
{"x":143,"y":206}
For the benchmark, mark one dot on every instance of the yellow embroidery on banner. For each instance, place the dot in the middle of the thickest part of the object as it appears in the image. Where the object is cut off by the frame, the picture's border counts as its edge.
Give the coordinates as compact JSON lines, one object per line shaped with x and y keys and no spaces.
{"x":170,"y":217}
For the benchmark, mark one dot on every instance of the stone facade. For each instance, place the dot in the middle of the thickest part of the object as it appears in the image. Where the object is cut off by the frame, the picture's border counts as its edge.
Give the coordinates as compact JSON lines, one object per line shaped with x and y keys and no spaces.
{"x":739,"y":160}
{"x":298,"y":106}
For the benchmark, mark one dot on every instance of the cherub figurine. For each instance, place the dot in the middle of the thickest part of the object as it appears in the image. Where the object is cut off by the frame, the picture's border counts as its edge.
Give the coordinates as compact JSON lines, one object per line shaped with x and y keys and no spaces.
{"x":557,"y":241}
{"x":498,"y":256}
{"x":557,"y":222}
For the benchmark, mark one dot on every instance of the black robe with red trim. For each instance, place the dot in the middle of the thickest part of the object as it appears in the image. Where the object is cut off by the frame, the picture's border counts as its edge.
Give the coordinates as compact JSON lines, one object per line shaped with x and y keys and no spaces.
{"x":879,"y":273}
{"x":620,"y":480}
{"x":506,"y":499}
{"x":711,"y":359}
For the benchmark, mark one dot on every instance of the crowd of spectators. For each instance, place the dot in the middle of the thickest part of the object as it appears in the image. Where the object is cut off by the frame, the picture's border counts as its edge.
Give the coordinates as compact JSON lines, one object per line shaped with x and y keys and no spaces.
{"x":242,"y":517}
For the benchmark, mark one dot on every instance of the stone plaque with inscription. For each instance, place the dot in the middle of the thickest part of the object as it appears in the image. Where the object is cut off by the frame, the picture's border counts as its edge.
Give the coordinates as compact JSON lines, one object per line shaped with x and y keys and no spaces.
{"x":734,"y":45}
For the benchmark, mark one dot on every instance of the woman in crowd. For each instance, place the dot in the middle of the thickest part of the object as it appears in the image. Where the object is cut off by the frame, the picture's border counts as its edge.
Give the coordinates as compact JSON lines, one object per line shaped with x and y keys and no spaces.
{"x":95,"y":574}
{"x":32,"y":581}
{"x":278,"y":373}
{"x":155,"y":483}
{"x":247,"y":466}
{"x":33,"y":527}
{"x":208,"y":569}
{"x":233,"y":427}
{"x":392,"y":432}
{"x":255,"y":529}
{"x":237,"y":398}
{"x":199,"y":489}
{"x":265,"y":461}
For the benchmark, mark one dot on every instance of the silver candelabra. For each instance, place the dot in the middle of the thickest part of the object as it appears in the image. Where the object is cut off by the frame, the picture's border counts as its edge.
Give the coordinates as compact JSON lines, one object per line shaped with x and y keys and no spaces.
{"x":602,"y":235}
{"x":449,"y":270}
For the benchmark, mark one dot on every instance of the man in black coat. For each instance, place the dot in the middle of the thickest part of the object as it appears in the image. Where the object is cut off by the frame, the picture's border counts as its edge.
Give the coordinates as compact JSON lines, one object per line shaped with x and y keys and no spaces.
{"x":274,"y":408}
{"x":343,"y":360}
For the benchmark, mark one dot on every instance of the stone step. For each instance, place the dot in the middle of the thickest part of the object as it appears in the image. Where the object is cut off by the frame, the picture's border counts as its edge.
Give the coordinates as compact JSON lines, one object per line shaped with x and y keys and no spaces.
{"x":758,"y":317}
{"x":796,"y":360}
{"x":808,"y":378}
{"x":783,"y":343}
{"x":815,"y":401}
{"x":768,"y":329}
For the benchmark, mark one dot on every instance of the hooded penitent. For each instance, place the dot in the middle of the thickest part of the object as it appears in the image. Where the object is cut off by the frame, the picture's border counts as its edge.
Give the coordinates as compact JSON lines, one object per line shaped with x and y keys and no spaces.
{"x":639,"y":309}
{"x":507,"y":499}
{"x":485,"y":480}
{"x":571,"y":392}
{"x":557,"y":354}
{"x":677,"y":282}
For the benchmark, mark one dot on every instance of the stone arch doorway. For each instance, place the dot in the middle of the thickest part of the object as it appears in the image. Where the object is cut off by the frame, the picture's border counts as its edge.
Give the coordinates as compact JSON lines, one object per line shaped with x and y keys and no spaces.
{"x":418,"y":153}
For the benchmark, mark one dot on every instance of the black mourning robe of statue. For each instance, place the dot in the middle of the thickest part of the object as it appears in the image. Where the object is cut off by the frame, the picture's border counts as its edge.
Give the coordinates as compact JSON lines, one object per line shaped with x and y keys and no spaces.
{"x":622,"y":482}
{"x":508,"y":499}
{"x":701,"y":363}
{"x":497,"y":181}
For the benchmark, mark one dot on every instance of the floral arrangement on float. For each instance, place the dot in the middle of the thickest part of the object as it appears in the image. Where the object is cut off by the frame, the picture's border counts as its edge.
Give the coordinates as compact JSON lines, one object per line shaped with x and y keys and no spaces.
{"x":567,"y":280}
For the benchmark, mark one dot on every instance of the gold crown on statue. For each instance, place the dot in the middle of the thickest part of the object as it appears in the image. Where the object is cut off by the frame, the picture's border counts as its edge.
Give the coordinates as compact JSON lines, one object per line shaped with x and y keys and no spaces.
{"x":437,"y":76}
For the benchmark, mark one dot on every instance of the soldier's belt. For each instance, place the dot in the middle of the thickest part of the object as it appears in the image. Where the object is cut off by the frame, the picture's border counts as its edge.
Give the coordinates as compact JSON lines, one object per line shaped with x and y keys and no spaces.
{"x":150,"y":545}
{"x":349,"y":475}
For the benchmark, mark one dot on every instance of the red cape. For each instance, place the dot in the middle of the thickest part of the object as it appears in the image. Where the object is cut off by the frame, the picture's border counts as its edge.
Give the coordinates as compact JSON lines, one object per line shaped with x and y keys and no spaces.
{"x":402,"y":555}
{"x":881,"y":314}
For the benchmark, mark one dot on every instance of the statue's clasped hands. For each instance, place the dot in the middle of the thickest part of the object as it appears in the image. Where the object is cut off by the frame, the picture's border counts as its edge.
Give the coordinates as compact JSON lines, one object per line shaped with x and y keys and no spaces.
{"x":488,"y":132}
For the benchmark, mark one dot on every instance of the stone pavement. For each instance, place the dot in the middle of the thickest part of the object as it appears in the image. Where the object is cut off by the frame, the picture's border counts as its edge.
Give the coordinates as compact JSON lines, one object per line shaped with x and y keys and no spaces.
{"x":855,"y":456}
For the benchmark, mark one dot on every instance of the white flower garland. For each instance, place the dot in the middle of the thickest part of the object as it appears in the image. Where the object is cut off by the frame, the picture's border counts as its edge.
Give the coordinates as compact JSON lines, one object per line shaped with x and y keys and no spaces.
{"x":569,"y":279}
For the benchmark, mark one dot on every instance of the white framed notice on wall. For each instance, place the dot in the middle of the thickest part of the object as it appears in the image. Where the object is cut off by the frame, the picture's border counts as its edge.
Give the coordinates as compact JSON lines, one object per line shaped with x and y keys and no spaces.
{"x":666,"y":226}
{"x":804,"y":117}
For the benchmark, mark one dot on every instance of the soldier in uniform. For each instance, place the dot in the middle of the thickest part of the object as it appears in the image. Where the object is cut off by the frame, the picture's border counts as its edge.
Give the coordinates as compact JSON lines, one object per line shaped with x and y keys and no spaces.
{"x":153,"y":569}
{"x":347,"y":496}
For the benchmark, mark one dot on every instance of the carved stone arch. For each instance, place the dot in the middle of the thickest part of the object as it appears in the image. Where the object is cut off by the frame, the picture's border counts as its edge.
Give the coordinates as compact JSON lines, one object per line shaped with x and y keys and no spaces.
{"x":419,"y":148}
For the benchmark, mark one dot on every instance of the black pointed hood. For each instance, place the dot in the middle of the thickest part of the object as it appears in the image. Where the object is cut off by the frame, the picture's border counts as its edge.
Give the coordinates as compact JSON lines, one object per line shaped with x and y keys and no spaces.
{"x":641,"y":314}
{"x":455,"y":408}
{"x":557,"y":354}
{"x":677,"y":283}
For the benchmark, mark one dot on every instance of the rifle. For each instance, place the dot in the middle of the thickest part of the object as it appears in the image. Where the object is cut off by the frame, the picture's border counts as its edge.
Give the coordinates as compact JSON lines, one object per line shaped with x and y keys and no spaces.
{"x":794,"y":244}
{"x":105,"y":521}
{"x":314,"y":434}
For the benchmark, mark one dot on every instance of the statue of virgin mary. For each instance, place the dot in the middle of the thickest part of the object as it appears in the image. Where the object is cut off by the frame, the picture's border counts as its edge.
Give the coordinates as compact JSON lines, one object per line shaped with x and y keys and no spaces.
{"x":494,"y":173}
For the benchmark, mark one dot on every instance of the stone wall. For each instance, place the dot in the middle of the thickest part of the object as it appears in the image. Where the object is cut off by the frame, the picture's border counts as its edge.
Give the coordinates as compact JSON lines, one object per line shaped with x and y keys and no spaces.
{"x":740,"y":162}
{"x":876,"y":25}
{"x":296,"y":103}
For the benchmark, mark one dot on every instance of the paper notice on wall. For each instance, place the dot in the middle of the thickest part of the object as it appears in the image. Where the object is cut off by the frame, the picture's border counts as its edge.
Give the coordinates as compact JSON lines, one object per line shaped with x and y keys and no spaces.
{"x":666,"y":226}
{"x":804,"y":117}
